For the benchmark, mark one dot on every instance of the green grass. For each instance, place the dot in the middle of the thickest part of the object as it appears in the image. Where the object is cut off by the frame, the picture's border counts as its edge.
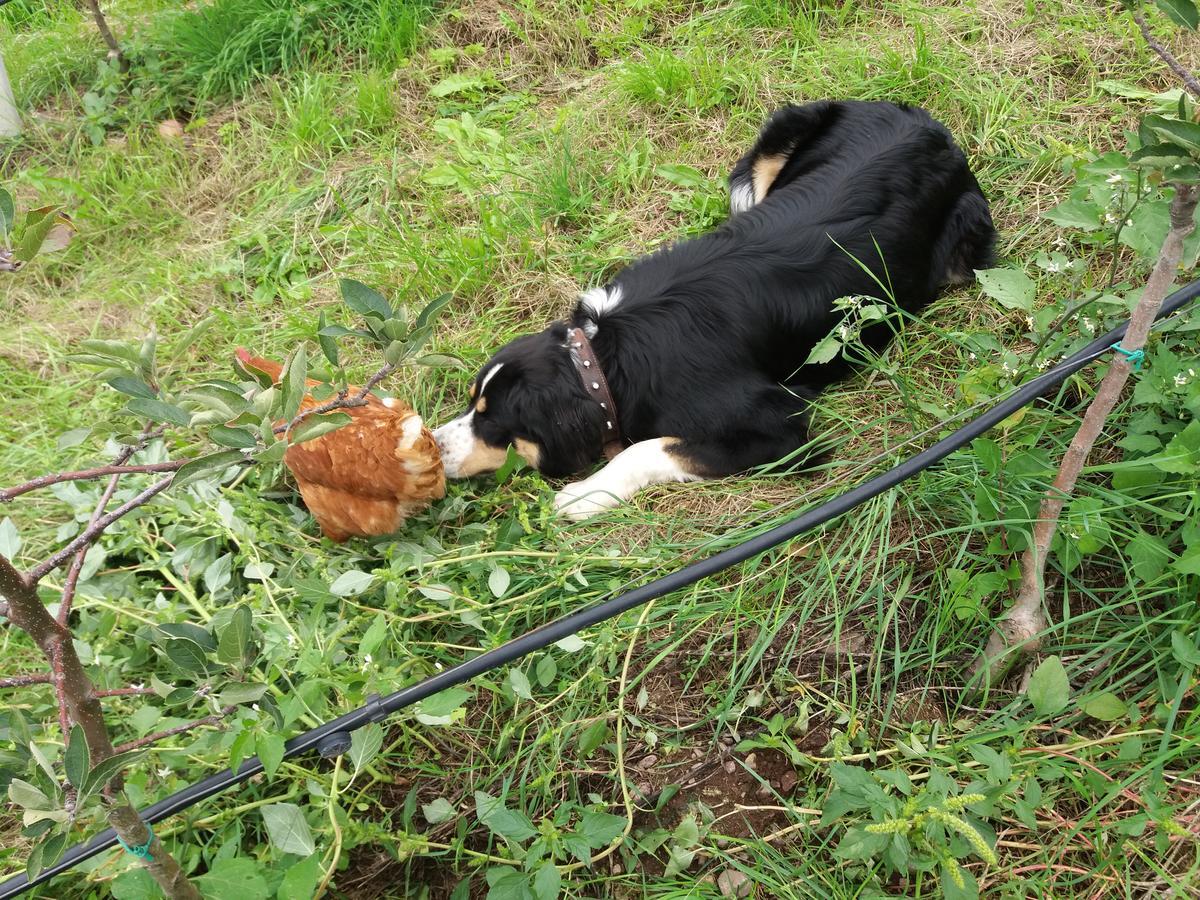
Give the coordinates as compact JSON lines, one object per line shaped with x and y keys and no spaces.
{"x":319,"y":145}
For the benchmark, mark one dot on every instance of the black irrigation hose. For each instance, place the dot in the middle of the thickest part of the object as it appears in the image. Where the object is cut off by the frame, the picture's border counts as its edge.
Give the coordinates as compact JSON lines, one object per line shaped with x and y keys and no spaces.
{"x":333,"y":738}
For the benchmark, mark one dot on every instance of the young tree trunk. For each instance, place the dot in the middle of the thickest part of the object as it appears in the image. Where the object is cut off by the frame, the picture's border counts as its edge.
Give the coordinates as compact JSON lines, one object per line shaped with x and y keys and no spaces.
{"x":114,"y":49}
{"x":1019,"y":630}
{"x":25,"y":610}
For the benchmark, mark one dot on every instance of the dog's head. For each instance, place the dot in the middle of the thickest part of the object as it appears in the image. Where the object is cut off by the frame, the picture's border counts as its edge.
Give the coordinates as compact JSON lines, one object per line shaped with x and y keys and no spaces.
{"x":529,"y":397}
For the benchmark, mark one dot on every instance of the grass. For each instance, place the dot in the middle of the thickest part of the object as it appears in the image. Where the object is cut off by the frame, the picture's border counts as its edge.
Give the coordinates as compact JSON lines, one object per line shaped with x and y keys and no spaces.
{"x":325,"y":141}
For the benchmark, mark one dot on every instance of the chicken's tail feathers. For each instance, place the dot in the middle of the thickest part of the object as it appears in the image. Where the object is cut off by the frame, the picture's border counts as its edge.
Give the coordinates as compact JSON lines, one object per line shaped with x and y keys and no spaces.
{"x":255,"y":365}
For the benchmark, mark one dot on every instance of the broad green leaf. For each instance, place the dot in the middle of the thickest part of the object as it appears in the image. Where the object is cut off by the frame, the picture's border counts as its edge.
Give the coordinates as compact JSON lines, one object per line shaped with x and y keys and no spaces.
{"x":431,"y":309}
{"x":520,"y":684}
{"x":135,"y":884}
{"x":687,"y":832}
{"x":186,"y":654}
{"x":191,"y":632}
{"x":8,"y":215}
{"x":682,"y":175}
{"x":374,"y":635}
{"x":1174,"y":131}
{"x":239,"y":693}
{"x":1049,"y":690}
{"x":507,"y":883}
{"x":1160,"y":156}
{"x":351,"y":583}
{"x":365,"y":744}
{"x":498,"y":581}
{"x":441,"y":359}
{"x":158,"y":411}
{"x":546,"y":669}
{"x":458,"y":83}
{"x":239,"y":878}
{"x":238,"y":438}
{"x":328,"y":345}
{"x":1181,"y":12}
{"x":258,"y":571}
{"x":571,"y":643}
{"x":38,"y":223}
{"x":1189,"y":563}
{"x":1082,"y":214}
{"x":312,"y":427}
{"x":233,"y":643}
{"x":600,"y":828}
{"x":1107,"y":707}
{"x":76,"y":757}
{"x":440,"y":709}
{"x":270,"y":749}
{"x":858,"y":843}
{"x":28,"y":796}
{"x":507,"y":823}
{"x":364,"y":300}
{"x":592,"y":737}
{"x":438,"y":811}
{"x":1148,"y":555}
{"x":288,"y":829}
{"x":824,"y":351}
{"x":294,"y":382}
{"x":73,"y":438}
{"x":547,"y":883}
{"x":1011,"y":288}
{"x":1182,"y":453}
{"x":207,"y":466}
{"x":301,"y":879}
{"x":134,"y":387}
{"x":106,"y":770}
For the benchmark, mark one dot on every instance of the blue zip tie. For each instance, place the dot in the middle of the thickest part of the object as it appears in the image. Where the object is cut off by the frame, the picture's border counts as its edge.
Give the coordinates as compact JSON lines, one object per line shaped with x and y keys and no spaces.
{"x":142,"y":851}
{"x":1134,"y":357}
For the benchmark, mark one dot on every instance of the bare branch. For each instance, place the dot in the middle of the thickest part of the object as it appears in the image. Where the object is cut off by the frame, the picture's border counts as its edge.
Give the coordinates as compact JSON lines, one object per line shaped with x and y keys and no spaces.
{"x":97,"y":528}
{"x":1190,"y":80}
{"x":20,"y":681}
{"x":341,"y":401}
{"x":23,"y":681}
{"x":1021,"y":626}
{"x":214,"y":719}
{"x":12,"y":493}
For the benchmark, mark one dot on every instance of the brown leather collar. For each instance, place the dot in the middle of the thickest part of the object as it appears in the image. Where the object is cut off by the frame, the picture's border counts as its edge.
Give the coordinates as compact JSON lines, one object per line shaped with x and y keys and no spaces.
{"x":596,"y":385}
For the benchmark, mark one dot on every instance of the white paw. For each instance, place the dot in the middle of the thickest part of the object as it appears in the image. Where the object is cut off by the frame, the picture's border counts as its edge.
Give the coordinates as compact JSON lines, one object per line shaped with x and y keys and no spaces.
{"x":579,"y":501}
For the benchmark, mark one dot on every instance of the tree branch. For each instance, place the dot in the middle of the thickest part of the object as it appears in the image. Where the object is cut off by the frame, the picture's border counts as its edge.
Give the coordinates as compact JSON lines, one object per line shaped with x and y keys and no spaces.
{"x":12,"y":493}
{"x":97,"y":528}
{"x":214,"y":719}
{"x":1019,"y":629}
{"x":1189,"y":80}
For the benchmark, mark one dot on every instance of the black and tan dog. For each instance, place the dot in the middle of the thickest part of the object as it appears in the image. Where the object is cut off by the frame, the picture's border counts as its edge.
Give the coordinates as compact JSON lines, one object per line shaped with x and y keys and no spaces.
{"x":690,"y":362}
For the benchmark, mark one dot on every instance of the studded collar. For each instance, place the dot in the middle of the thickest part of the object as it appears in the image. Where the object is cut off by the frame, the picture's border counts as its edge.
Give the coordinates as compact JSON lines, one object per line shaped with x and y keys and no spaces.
{"x":596,"y":386}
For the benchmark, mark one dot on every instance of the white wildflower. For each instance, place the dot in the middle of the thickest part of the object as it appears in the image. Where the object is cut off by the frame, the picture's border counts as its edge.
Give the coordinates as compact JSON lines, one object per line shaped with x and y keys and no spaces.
{"x":1029,"y":322}
{"x":366,"y":662}
{"x":1109,"y":218}
{"x":1129,"y":223}
{"x":1180,"y":380}
{"x":1114,"y":178}
{"x":164,"y":772}
{"x":971,"y":356}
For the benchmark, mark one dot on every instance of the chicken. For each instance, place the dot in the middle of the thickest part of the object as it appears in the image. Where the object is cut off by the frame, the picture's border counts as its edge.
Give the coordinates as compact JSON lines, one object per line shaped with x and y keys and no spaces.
{"x":369,"y":476}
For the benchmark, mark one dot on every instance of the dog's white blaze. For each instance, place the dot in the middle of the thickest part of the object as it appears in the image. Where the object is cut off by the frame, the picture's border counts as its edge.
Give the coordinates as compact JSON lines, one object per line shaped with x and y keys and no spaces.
{"x":641,"y":465}
{"x":598,"y":300}
{"x":741,"y":198}
{"x":456,"y":441}
{"x":488,"y":377}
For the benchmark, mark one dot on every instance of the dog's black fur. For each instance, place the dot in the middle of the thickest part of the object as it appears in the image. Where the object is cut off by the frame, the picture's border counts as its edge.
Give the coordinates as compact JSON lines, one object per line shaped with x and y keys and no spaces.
{"x":708,"y":341}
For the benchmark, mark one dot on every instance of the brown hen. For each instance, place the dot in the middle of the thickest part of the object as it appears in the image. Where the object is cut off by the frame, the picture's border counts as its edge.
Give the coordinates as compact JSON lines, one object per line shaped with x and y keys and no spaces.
{"x":371,"y":474}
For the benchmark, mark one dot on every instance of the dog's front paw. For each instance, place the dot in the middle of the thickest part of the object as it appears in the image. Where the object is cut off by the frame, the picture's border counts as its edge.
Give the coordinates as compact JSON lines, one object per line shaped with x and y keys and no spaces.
{"x":579,"y":501}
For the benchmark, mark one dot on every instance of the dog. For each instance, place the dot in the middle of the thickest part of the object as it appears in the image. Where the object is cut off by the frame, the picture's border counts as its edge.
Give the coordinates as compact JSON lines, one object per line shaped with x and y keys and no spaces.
{"x":690,"y":363}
